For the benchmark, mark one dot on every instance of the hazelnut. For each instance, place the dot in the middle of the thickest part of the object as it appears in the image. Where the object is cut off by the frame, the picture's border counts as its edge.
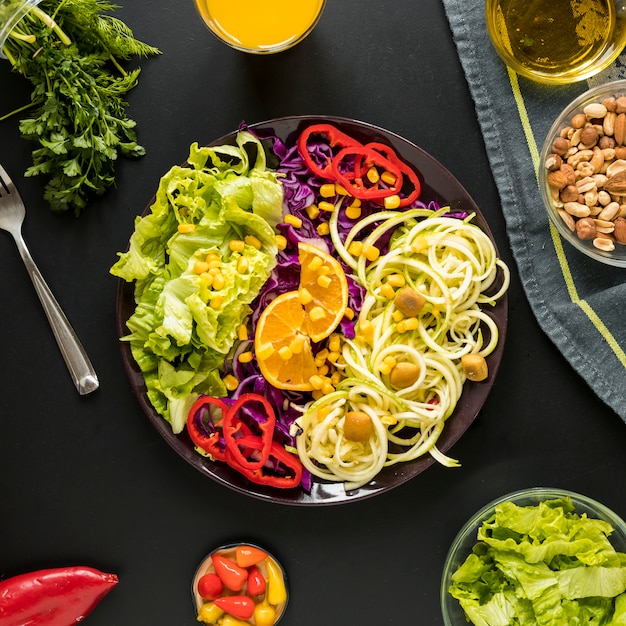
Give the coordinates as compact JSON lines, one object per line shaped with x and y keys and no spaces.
{"x":579,"y":120}
{"x":553,"y":162}
{"x":560,"y":146}
{"x":606,"y":142}
{"x":586,"y":228}
{"x":569,"y":194}
{"x":589,"y":136}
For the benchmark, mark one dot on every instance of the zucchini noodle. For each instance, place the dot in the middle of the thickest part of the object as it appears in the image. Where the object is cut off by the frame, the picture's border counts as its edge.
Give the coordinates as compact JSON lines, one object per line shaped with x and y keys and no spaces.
{"x":454,"y":267}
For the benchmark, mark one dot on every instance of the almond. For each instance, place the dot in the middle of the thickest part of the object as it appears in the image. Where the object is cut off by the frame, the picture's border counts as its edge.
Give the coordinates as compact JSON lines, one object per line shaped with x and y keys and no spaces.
{"x":620,"y":230}
{"x":616,"y":184}
{"x":619,"y":131}
{"x":557,"y":179}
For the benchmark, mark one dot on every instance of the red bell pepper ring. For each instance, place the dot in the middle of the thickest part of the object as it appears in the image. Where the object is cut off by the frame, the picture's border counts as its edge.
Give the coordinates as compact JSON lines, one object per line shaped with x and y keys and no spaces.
{"x":364,"y":158}
{"x":205,"y":434}
{"x":408,"y":171}
{"x":335,"y":139}
{"x":241,"y":607}
{"x":290,"y":469}
{"x":250,"y":458}
{"x":53,"y":597}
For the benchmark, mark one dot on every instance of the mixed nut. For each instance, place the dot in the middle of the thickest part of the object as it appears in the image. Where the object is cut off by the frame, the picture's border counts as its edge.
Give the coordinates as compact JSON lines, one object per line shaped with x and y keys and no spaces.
{"x":586,"y":173}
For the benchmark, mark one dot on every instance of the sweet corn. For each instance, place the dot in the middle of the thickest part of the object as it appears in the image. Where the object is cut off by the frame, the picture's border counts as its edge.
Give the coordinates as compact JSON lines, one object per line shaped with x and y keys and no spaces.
{"x":305,"y":296}
{"x":349,"y":314}
{"x":333,"y":356}
{"x":397,"y":316}
{"x":387,"y":291}
{"x":236,"y":245}
{"x":372,"y":175}
{"x":317,"y":394}
{"x":388,"y":420}
{"x":384,"y":369}
{"x":326,"y":206}
{"x":334,"y":343}
{"x":230,"y":382}
{"x":355,"y":248}
{"x":396,"y":280}
{"x":243,"y":264}
{"x":371,"y":252}
{"x":353,"y":212}
{"x":186,"y":228}
{"x":293,"y":220}
{"x":218,"y":282}
{"x":212,"y":257}
{"x":216,"y":302}
{"x":314,"y":264}
{"x":281,"y":242}
{"x":324,"y":281}
{"x":242,"y":333}
{"x":297,"y":344}
{"x":388,"y":177}
{"x":316,"y":382}
{"x":323,"y":354}
{"x":327,"y":387}
{"x":317,"y":313}
{"x":323,"y":229}
{"x":324,"y":369}
{"x":390,"y":361}
{"x":265,"y":352}
{"x":199,"y":267}
{"x":336,"y":377}
{"x":327,"y":190}
{"x":312,"y":211}
{"x":246,"y":357}
{"x":207,"y":279}
{"x":253,"y":241}
{"x":392,"y":202}
{"x":323,"y":411}
{"x":341,"y":191}
{"x":367,"y":329}
{"x":215,"y":263}
{"x":285,"y":353}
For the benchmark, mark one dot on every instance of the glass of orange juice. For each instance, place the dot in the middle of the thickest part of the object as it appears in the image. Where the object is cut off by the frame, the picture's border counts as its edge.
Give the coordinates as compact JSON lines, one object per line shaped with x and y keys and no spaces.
{"x":260,"y":26}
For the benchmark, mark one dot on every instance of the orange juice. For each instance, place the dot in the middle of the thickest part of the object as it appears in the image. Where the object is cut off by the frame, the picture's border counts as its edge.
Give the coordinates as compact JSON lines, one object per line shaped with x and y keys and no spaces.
{"x":260,"y":25}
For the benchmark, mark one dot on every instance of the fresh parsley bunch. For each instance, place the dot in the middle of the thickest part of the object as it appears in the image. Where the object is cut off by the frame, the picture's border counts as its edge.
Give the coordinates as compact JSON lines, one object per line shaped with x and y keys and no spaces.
{"x":71,"y":51}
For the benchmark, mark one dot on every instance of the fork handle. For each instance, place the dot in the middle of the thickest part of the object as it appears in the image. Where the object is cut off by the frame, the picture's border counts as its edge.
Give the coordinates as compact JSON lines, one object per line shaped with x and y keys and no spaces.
{"x":76,"y":359}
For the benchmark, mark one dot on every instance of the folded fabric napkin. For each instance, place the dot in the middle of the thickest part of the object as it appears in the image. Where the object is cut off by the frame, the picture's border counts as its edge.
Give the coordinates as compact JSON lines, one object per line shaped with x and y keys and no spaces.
{"x":577,"y":301}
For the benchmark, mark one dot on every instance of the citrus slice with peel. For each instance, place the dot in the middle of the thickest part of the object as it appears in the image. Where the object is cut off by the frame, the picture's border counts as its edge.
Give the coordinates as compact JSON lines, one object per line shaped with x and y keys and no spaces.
{"x":282,"y":344}
{"x":323,"y":290}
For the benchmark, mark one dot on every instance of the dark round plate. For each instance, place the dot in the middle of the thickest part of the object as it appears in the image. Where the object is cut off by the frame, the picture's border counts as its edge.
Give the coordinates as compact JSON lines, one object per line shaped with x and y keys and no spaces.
{"x":439,"y":185}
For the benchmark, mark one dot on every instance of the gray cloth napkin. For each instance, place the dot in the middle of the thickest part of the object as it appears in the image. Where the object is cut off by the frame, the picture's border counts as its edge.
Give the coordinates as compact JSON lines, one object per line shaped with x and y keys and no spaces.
{"x":578,"y":302}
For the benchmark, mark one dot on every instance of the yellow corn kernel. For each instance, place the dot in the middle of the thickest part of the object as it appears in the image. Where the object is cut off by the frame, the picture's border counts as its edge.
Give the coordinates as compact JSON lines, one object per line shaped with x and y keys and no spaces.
{"x":317,"y":394}
{"x":305,"y":296}
{"x":322,"y":354}
{"x":218,"y":281}
{"x":242,"y":333}
{"x":327,"y":387}
{"x":317,"y":313}
{"x":333,"y":356}
{"x":319,"y":362}
{"x":341,"y":191}
{"x":334,"y":343}
{"x":388,"y":291}
{"x":323,"y":411}
{"x":317,"y":382}
{"x":367,"y":329}
{"x":297,"y":344}
{"x":207,"y":279}
{"x":293,"y":220}
{"x":372,"y":175}
{"x":349,"y":314}
{"x":186,"y":228}
{"x":216,"y":302}
{"x":327,"y":190}
{"x":312,"y":211}
{"x":199,"y":267}
{"x":355,"y":248}
{"x":265,"y":352}
{"x":243,"y":264}
{"x":390,"y":361}
{"x":324,"y":369}
{"x":336,"y":377}
{"x":371,"y":252}
{"x":389,"y":178}
{"x":236,"y":245}
{"x":396,"y":280}
{"x":314,"y":264}
{"x":253,"y":241}
{"x":323,"y":229}
{"x":401,"y":326}
{"x":230,"y":382}
{"x":285,"y":353}
{"x":412,"y":323}
{"x":281,"y":242}
{"x":384,"y":369}
{"x":326,"y":206}
{"x":392,"y":202}
{"x":397,"y":316}
{"x":324,"y":281}
{"x":353,"y":212}
{"x":355,"y":202}
{"x":214,"y":264}
{"x":388,"y":420}
{"x":246,"y":357}
{"x":419,"y":245}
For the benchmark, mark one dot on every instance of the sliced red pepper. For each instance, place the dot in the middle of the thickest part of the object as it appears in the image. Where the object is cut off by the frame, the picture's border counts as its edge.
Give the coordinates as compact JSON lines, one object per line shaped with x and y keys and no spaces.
{"x":335,"y":139}
{"x":53,"y":597}
{"x":354,"y":181}
{"x":233,"y":576}
{"x":410,"y":173}
{"x":241,"y":607}
{"x":232,"y":427}
{"x":202,"y":430}
{"x":289,"y":463}
{"x":256,"y":581}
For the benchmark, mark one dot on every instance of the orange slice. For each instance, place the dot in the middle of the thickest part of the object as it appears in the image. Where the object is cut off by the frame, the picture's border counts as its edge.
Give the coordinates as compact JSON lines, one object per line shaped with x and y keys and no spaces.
{"x":282,"y":344}
{"x":323,"y":290}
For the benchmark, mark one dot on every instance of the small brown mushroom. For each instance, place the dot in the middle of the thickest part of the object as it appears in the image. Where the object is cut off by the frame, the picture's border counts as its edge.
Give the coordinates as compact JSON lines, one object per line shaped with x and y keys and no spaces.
{"x":404,"y":375}
{"x":474,"y":367}
{"x":409,"y":301}
{"x":357,"y":426}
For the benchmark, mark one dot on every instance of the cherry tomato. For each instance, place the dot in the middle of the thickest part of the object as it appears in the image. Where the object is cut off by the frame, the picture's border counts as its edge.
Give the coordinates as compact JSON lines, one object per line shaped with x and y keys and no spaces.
{"x":210,"y":586}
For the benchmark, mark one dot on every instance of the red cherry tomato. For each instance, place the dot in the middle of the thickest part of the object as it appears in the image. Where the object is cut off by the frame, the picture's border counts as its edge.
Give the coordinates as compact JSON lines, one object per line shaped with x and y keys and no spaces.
{"x":233,"y":576}
{"x":210,"y":586}
{"x":249,"y":555}
{"x":256,"y":582}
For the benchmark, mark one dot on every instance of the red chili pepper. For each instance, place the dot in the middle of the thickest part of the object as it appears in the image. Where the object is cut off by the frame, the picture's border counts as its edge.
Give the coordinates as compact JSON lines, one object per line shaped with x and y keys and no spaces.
{"x":289,"y":464}
{"x":241,"y":607}
{"x":202,"y":430}
{"x":334,"y":137}
{"x":256,"y":581}
{"x":410,"y":173}
{"x":210,"y":586}
{"x":53,"y":597}
{"x":229,"y":572}
{"x":232,"y":427}
{"x":365,"y":157}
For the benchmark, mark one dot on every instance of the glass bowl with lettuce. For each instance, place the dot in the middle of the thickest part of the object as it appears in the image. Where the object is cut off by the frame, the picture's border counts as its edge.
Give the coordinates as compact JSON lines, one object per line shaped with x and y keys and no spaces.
{"x":539,"y":556}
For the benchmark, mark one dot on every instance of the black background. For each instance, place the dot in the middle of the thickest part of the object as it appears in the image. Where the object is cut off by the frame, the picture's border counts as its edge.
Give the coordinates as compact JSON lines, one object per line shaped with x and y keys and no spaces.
{"x":87,"y":480}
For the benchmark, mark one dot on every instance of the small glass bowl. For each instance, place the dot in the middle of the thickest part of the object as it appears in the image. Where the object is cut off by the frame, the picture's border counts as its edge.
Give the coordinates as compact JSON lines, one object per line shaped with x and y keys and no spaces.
{"x":229,"y":551}
{"x":617,"y":256}
{"x":13,"y":11}
{"x":453,"y":614}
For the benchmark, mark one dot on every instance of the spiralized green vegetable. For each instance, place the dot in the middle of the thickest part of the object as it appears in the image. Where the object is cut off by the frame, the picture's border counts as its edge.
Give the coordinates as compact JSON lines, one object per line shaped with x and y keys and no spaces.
{"x":453,"y":264}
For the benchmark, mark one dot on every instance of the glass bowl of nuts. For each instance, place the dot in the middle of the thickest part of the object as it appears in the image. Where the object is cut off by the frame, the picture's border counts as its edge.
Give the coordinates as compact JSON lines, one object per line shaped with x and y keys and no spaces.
{"x":583,"y":173}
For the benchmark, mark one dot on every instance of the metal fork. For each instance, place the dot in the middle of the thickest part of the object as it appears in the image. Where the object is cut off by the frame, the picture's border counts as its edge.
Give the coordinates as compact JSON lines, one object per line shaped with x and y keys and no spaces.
{"x":12,"y":213}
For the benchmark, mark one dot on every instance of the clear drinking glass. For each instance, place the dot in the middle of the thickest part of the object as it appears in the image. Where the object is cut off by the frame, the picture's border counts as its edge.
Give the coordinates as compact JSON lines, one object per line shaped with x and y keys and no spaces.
{"x":11,"y":12}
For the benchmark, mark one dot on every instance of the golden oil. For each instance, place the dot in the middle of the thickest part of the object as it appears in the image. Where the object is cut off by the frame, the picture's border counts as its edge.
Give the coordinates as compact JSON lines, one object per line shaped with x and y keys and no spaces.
{"x":557,"y":41}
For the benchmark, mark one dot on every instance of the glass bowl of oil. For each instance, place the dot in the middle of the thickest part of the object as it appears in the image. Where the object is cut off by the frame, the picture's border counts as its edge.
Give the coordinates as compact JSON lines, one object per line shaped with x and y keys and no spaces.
{"x":557,"y":42}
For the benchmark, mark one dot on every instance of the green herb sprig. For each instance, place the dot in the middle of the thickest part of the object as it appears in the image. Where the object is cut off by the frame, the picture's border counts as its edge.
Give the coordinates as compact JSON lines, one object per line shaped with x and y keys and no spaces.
{"x":71,"y":51}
